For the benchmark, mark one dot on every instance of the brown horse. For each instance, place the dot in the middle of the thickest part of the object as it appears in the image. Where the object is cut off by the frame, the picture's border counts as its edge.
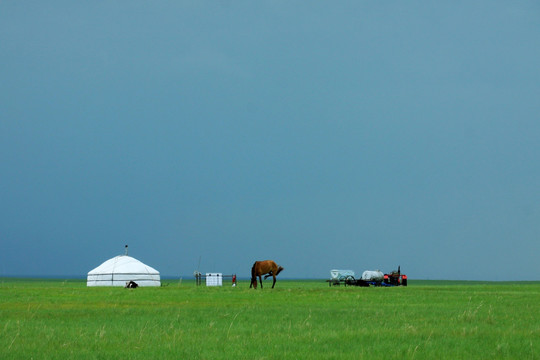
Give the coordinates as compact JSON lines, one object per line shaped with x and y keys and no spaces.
{"x":268,"y":267}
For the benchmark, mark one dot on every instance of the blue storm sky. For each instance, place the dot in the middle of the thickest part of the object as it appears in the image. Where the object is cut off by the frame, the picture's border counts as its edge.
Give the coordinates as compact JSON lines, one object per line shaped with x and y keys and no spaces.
{"x":348,"y":134}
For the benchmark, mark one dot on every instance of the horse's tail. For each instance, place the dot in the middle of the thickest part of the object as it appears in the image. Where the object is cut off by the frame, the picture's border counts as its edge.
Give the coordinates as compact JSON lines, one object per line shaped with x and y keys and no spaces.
{"x":279,"y":269}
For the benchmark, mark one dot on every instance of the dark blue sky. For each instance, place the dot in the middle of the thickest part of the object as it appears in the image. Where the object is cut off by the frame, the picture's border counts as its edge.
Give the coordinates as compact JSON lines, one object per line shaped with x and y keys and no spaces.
{"x":353,"y":134}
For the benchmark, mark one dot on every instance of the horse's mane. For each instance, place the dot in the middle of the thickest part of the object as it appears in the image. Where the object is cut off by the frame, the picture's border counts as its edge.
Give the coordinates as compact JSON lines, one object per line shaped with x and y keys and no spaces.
{"x":253,"y":270}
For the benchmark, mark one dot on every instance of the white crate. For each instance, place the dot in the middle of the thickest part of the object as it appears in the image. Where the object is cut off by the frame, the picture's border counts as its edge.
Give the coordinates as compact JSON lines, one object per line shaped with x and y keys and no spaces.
{"x":214,"y":279}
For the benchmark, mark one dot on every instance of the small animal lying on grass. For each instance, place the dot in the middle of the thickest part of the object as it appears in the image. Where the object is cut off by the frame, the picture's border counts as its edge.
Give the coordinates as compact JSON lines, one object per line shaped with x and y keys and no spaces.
{"x":131,"y":285}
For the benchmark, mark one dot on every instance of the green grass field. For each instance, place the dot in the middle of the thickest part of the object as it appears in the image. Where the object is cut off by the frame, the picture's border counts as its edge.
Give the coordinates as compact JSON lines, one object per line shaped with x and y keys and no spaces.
{"x":54,"y":319}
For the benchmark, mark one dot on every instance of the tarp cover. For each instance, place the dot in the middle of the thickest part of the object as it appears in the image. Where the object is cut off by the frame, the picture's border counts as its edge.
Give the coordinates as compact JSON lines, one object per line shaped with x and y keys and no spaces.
{"x":121,"y":269}
{"x":341,"y":274}
{"x":373,"y":275}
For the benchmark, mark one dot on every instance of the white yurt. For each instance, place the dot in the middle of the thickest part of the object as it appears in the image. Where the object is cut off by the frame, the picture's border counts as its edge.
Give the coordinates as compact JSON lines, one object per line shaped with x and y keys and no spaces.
{"x":121,"y":269}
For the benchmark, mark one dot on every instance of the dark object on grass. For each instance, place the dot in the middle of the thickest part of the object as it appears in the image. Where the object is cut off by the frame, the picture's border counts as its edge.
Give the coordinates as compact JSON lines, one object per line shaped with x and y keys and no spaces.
{"x":357,"y":282}
{"x":131,"y":285}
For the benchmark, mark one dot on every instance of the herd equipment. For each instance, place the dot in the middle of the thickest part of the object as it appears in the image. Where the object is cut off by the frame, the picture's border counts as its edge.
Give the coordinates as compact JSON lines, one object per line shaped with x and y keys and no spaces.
{"x":369,"y":277}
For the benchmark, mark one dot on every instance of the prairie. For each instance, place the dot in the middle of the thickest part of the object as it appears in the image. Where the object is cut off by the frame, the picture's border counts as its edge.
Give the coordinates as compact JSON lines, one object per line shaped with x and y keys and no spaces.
{"x":58,"y":319}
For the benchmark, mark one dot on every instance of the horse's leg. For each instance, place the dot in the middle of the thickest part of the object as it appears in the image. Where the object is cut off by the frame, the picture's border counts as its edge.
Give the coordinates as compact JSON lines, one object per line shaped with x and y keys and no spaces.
{"x":260,"y":280}
{"x":274,"y":281}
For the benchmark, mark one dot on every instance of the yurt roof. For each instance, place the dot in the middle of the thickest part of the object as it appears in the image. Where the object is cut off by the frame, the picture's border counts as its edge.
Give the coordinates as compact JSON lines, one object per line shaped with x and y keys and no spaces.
{"x":123,"y":264}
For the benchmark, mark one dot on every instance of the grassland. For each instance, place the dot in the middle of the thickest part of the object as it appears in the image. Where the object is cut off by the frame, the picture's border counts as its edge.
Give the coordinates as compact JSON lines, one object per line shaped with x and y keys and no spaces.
{"x":297,"y":320}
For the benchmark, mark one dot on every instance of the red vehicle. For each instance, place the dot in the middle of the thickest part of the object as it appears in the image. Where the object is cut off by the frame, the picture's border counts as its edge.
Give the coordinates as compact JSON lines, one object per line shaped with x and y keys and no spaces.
{"x":395,"y":278}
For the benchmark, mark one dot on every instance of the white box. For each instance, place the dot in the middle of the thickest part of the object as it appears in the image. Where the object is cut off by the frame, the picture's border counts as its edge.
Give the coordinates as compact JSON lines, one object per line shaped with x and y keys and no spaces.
{"x":214,"y":279}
